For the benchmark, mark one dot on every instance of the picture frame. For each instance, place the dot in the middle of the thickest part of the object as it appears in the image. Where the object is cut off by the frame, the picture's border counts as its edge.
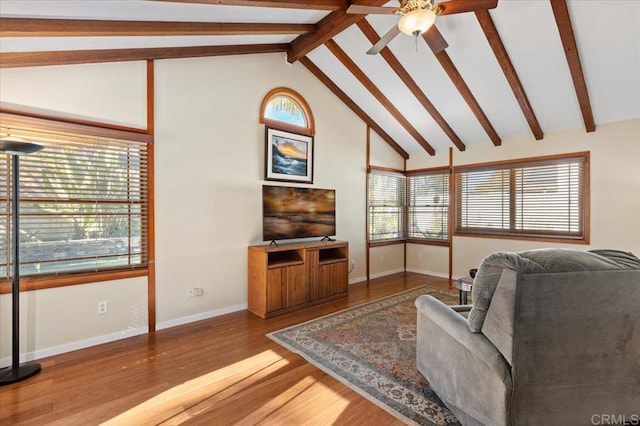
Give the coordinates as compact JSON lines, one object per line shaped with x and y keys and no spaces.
{"x":288,"y":156}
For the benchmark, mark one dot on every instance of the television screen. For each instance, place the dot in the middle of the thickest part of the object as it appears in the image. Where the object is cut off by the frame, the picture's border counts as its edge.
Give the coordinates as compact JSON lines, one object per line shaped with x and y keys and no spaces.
{"x":289,"y":212}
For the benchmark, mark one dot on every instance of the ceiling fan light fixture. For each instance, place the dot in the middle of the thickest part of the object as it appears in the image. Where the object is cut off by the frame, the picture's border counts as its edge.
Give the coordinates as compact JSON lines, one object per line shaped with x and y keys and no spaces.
{"x":416,"y":22}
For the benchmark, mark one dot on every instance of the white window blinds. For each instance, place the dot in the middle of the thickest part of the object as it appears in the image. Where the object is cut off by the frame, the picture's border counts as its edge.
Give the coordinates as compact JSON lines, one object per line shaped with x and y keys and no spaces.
{"x":535,"y":198}
{"x":83,"y":204}
{"x":428,"y":209}
{"x":387,"y":206}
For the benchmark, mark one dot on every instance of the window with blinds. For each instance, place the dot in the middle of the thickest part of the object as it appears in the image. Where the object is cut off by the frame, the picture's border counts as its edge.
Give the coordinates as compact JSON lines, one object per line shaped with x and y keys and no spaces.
{"x":387,"y":206}
{"x":83,"y":205}
{"x":428,"y":209}
{"x":538,"y":198}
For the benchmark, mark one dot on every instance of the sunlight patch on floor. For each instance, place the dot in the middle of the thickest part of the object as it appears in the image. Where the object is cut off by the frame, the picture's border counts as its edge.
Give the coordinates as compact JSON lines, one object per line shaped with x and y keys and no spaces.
{"x":303,"y":403}
{"x":217,"y":385}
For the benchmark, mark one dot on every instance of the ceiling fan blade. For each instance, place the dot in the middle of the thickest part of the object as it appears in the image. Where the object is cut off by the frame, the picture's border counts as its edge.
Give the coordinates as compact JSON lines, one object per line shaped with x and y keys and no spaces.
{"x":382,"y":43}
{"x":461,"y":6}
{"x":371,"y":10}
{"x":435,"y":40}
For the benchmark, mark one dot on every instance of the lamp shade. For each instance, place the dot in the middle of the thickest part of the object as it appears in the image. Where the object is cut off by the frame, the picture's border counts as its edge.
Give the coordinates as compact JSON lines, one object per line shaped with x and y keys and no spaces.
{"x":416,"y":22}
{"x":16,"y":146}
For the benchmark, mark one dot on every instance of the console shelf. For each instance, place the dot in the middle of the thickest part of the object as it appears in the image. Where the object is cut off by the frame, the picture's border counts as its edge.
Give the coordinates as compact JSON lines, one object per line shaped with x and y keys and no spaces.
{"x":293,"y":276}
{"x":279,"y":259}
{"x":332,"y":255}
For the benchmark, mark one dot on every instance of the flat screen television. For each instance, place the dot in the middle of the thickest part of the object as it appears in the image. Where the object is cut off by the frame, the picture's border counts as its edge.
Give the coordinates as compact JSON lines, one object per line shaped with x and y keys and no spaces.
{"x":289,"y":212}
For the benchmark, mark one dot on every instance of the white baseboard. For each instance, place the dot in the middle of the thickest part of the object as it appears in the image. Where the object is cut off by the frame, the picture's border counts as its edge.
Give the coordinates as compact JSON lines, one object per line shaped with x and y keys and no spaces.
{"x":425,"y":272}
{"x":197,"y":317}
{"x":396,"y":271}
{"x":357,"y":280}
{"x":68,"y":347}
{"x":385,"y":273}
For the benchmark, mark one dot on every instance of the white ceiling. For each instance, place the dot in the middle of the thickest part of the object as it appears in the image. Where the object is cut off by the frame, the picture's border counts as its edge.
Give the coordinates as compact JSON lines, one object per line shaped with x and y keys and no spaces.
{"x":607,"y":34}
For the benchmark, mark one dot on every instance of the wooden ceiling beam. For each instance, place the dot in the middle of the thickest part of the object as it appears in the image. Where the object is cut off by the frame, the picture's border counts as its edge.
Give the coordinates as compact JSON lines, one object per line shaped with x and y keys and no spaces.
{"x":561,"y":14}
{"x":22,"y":27}
{"x":327,"y":28}
{"x":500,"y":52}
{"x":66,"y":57}
{"x":342,"y":56}
{"x":288,"y":4}
{"x":352,"y":105}
{"x":406,"y":78}
{"x":454,"y":75}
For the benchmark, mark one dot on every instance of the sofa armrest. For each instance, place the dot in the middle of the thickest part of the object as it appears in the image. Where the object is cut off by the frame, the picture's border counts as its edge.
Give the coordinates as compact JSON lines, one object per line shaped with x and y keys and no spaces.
{"x":449,"y":320}
{"x":466,"y":371}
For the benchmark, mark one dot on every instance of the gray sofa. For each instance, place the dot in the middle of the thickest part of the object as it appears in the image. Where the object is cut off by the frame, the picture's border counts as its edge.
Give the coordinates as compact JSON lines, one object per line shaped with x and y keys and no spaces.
{"x":552,"y":338}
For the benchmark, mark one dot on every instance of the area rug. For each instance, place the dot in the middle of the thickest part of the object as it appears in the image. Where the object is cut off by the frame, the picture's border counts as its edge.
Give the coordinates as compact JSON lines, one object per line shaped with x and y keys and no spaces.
{"x":372,"y":349}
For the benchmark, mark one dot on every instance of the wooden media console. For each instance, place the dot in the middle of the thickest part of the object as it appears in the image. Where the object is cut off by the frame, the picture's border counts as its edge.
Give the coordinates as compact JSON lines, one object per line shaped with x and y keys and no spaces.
{"x":288,"y":277}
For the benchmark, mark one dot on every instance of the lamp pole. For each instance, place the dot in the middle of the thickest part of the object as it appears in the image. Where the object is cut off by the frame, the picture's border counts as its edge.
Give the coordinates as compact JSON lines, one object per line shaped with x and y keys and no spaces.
{"x":17,"y":372}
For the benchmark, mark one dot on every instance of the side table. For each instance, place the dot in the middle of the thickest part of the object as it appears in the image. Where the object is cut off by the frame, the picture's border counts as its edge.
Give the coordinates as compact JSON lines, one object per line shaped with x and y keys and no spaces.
{"x":464,"y":286}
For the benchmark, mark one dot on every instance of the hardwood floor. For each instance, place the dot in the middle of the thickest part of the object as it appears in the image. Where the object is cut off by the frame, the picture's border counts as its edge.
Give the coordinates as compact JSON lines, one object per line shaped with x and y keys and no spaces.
{"x":221,"y":371}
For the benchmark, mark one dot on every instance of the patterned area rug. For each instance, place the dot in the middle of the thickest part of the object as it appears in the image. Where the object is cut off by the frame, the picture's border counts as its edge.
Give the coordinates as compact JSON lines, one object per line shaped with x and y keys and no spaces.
{"x":372,"y":349}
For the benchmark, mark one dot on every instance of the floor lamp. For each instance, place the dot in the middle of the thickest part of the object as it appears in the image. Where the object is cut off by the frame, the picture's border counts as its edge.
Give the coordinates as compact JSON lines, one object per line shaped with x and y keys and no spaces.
{"x":17,"y":372}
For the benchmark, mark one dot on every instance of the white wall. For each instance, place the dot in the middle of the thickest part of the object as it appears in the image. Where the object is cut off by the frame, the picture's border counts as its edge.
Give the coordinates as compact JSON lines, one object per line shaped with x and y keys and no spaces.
{"x":615,"y":193}
{"x":209,"y":172}
{"x":62,"y":319}
{"x":113,"y":93}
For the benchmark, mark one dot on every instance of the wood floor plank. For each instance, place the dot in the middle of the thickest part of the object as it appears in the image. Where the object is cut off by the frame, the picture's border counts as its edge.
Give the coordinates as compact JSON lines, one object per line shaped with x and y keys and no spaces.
{"x":221,"y":371}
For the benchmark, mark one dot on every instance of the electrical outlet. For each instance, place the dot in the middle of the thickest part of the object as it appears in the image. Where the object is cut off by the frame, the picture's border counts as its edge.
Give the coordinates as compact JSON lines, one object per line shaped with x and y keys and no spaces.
{"x":103,"y":307}
{"x":195,"y":291}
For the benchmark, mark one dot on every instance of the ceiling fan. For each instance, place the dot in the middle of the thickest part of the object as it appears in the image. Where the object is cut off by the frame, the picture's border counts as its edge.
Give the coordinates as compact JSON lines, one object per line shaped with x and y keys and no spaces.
{"x":417,"y":16}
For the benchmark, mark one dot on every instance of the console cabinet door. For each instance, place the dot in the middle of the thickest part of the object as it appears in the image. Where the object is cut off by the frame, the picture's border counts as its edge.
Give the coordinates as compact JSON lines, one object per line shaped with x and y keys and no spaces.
{"x":334,"y":279}
{"x":286,"y":287}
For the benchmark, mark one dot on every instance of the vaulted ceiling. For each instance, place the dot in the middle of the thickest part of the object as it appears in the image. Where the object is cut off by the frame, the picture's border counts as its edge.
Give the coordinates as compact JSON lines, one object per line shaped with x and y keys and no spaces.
{"x":519,"y":69}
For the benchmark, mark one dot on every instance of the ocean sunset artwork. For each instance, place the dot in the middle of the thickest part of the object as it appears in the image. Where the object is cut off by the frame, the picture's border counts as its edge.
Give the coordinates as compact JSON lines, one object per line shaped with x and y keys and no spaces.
{"x":290,"y":212}
{"x":289,"y":156}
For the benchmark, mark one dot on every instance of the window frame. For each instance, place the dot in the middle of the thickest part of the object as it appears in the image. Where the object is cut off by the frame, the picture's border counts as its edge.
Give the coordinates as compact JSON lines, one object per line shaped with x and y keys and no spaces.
{"x":407,"y":174}
{"x":310,"y":129}
{"x":402,"y":206}
{"x":511,"y":233}
{"x":36,"y":122}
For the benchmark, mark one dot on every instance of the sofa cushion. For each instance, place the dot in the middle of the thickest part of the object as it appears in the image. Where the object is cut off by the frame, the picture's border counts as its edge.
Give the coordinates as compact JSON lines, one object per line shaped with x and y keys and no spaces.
{"x":622,"y":258}
{"x":534,"y":262}
{"x":570,"y":260}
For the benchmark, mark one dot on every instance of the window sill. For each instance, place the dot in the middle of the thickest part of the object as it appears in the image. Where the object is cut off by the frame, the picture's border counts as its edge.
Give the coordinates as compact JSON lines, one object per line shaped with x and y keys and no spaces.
{"x":381,"y":243}
{"x":409,"y":241}
{"x":546,"y":239}
{"x":428,"y":242}
{"x":39,"y":283}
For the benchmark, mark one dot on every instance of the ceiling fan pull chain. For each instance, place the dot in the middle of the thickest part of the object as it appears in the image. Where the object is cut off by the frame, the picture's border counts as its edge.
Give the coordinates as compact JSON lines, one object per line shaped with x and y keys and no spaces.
{"x":416,"y":37}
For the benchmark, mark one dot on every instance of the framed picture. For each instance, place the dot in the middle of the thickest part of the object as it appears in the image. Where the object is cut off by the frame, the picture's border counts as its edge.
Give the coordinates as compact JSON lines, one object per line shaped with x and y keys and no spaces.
{"x":288,"y":156}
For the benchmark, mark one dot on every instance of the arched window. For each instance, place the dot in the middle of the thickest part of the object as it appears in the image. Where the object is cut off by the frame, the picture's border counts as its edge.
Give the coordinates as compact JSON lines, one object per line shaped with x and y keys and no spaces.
{"x":285,"y":108}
